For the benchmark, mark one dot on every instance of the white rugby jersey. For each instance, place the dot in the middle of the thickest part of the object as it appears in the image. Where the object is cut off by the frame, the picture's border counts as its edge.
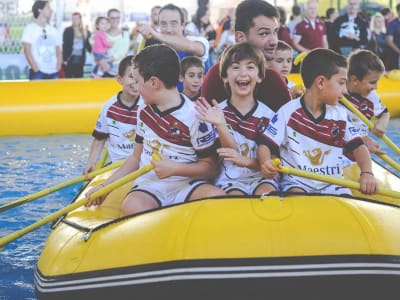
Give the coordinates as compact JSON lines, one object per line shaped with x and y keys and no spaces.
{"x":117,"y":122}
{"x":309,"y":144}
{"x":176,"y":134}
{"x":369,"y":106}
{"x":246,"y":130}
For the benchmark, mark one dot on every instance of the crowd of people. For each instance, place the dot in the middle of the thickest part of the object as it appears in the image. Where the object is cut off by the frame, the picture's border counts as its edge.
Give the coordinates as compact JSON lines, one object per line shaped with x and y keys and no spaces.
{"x":216,"y":126}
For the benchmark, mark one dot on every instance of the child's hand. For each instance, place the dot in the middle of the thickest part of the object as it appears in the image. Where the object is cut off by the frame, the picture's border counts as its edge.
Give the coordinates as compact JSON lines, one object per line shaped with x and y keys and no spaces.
{"x":373,"y":147}
{"x":367,"y":183}
{"x":233,"y":156}
{"x":297,"y":91}
{"x":268,"y":170}
{"x":378,"y":130}
{"x":95,"y":201}
{"x":164,"y":167}
{"x":212,"y":114}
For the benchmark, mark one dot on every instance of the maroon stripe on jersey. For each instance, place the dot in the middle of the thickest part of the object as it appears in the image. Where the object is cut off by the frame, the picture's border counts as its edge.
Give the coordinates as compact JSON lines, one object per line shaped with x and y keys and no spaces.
{"x":120,"y":114}
{"x":250,"y":127}
{"x":330,"y":132}
{"x":166,"y":127}
{"x":362,"y":104}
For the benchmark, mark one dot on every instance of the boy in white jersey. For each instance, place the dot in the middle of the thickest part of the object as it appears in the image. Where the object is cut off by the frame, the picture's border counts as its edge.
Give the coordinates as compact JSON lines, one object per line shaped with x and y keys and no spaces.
{"x":365,"y":70}
{"x":192,"y":76}
{"x":240,"y":121}
{"x":312,"y":132}
{"x":117,"y":120}
{"x":282,"y":64}
{"x":167,"y":124}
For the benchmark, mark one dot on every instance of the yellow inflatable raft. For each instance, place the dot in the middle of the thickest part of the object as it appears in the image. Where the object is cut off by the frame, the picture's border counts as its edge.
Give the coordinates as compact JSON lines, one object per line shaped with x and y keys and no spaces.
{"x":70,"y":106}
{"x":274,"y":247}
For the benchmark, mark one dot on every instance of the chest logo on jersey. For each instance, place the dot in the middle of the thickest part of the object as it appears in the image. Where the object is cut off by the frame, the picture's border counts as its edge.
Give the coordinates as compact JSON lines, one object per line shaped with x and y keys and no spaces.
{"x":335,"y":130}
{"x":156,"y":146}
{"x":130,"y":135}
{"x":316,"y":156}
{"x":174,"y":130}
{"x":364,"y":107}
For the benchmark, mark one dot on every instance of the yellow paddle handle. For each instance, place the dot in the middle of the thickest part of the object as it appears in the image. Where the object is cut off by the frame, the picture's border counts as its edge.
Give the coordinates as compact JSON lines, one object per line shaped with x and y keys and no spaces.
{"x":328,"y":179}
{"x":57,"y":187}
{"x":103,"y":191}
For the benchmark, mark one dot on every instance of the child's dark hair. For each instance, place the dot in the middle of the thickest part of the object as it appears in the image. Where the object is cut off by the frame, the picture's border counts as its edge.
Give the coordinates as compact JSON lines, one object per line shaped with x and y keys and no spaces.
{"x":98,"y":20}
{"x":361,"y":62}
{"x":247,"y":10}
{"x":282,"y":46}
{"x":191,"y":61}
{"x":319,"y":62}
{"x":171,"y":6}
{"x":238,"y":52}
{"x":125,"y":63}
{"x":38,"y":5}
{"x":160,"y":61}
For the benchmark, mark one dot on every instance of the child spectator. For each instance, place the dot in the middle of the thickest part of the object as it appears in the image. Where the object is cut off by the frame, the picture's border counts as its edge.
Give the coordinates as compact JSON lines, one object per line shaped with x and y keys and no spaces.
{"x":101,"y":45}
{"x":312,"y":133}
{"x":167,"y":125}
{"x":192,"y":76}
{"x":282,"y":64}
{"x":240,"y":121}
{"x":365,"y":70}
{"x":117,"y":121}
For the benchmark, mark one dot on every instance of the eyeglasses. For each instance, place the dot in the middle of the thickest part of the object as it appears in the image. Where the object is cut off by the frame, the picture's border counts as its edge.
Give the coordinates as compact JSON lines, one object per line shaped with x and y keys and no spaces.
{"x":44,"y":34}
{"x":115,"y":18}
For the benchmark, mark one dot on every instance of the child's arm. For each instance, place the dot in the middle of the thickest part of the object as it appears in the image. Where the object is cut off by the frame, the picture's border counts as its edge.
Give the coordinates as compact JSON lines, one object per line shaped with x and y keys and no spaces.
{"x":95,"y":149}
{"x":204,"y":168}
{"x":367,"y":179}
{"x":215,"y":115}
{"x":381,"y":124}
{"x":130,"y":165}
{"x":235,"y":157}
{"x":264,"y":157}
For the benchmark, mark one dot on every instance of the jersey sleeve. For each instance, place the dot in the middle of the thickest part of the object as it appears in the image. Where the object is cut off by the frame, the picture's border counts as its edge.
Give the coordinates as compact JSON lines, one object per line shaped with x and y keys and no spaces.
{"x":203,"y":138}
{"x":101,"y":130}
{"x":379,"y":107}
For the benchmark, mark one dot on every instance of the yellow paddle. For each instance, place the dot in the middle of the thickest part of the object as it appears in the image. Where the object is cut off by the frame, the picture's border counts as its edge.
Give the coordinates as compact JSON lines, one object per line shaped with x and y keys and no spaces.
{"x":101,"y":163}
{"x":130,"y":177}
{"x":58,"y":187}
{"x":328,"y":179}
{"x":370,"y":125}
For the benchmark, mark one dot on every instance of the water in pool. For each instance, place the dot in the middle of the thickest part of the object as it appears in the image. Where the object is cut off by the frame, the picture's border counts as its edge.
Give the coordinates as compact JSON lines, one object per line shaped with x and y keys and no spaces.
{"x":29,"y":165}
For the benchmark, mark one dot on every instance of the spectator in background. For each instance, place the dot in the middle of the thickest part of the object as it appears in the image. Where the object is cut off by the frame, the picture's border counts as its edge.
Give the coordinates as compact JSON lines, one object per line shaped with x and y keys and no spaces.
{"x":330,"y":17}
{"x":42,"y":44}
{"x":283,"y":32}
{"x":120,"y":40}
{"x":351,"y":31}
{"x":295,"y":18}
{"x":393,"y":41}
{"x":75,"y":44}
{"x":201,"y":26}
{"x":154,"y":13}
{"x":311,"y":32}
{"x":387,"y":14}
{"x":171,"y":21}
{"x":377,"y":43}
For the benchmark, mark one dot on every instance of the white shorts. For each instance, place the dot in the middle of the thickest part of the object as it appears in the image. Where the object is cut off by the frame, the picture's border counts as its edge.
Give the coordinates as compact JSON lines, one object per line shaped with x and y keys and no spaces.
{"x":246,"y":187}
{"x":288,"y":183}
{"x":168,"y":192}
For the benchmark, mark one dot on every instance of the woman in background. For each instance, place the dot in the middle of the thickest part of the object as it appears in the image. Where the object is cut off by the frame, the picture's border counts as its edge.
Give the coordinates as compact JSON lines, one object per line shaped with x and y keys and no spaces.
{"x":75,"y":44}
